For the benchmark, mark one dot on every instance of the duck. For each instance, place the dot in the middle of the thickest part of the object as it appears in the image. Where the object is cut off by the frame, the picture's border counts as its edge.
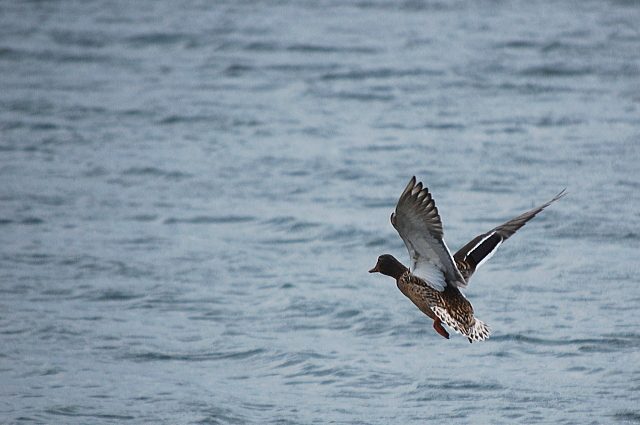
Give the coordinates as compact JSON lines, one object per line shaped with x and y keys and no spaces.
{"x":434,"y":280}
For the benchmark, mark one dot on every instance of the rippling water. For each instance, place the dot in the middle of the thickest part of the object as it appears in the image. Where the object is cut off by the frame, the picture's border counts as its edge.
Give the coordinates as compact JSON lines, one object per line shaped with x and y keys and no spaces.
{"x":192,"y":193}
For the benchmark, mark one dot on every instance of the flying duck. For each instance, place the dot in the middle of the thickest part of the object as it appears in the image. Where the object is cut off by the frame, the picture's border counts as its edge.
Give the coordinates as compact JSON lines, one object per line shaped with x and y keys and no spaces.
{"x":434,"y":278}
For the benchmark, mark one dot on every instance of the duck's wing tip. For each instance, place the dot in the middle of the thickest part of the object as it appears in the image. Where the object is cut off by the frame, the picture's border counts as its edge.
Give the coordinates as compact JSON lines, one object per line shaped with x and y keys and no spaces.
{"x":481,"y":248}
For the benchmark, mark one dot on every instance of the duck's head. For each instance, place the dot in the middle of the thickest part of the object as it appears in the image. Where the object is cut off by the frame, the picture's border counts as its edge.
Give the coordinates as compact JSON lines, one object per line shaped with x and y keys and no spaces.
{"x":388,"y":265}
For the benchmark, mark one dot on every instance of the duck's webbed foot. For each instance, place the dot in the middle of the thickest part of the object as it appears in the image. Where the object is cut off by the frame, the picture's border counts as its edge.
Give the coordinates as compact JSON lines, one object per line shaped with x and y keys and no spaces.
{"x":437,"y":325}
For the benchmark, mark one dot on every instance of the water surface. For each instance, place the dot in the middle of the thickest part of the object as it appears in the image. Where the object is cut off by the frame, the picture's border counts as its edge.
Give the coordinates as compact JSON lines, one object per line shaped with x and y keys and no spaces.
{"x":191,"y":194}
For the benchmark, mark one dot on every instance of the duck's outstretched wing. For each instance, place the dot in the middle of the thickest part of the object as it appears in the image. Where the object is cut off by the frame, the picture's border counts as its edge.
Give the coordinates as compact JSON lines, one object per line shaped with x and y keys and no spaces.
{"x":480,"y":249}
{"x":417,"y":221}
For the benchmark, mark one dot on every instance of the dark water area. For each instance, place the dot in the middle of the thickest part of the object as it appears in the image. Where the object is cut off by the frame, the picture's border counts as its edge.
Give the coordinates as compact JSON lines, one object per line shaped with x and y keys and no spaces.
{"x":191,"y":194}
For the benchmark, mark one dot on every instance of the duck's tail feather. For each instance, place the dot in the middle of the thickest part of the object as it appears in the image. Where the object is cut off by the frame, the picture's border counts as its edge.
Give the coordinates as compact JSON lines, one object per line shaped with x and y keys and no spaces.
{"x":477,"y":331}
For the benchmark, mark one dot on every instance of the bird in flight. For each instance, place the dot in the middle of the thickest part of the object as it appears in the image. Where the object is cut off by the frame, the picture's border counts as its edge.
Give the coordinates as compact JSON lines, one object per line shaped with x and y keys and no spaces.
{"x":433,"y":281}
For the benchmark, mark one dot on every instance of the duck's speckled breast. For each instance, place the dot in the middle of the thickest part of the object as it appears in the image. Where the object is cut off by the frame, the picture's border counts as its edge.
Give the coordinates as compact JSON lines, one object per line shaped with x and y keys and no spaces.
{"x":421,"y":294}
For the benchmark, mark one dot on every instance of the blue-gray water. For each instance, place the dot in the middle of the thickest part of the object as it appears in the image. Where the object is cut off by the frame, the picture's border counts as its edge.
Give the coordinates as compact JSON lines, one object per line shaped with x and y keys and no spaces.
{"x":191,"y":194}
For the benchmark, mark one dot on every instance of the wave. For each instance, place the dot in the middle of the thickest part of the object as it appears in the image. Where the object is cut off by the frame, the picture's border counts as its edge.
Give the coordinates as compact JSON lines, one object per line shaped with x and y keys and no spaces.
{"x":154,"y":356}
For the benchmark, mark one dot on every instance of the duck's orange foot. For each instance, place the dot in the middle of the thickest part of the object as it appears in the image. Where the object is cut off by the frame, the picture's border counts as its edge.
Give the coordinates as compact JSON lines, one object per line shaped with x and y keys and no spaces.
{"x":437,"y":325}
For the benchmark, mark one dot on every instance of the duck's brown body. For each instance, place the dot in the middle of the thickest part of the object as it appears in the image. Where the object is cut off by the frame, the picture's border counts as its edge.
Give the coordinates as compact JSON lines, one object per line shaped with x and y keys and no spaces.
{"x":420,"y":296}
{"x":427,"y":298}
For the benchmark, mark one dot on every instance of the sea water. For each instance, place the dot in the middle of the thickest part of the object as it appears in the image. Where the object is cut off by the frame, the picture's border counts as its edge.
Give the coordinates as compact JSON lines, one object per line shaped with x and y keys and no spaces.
{"x":191,"y":194}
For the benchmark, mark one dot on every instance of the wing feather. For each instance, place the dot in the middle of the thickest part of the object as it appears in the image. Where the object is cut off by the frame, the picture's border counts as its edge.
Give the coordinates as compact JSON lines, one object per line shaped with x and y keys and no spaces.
{"x":474,"y":254}
{"x":417,"y":221}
